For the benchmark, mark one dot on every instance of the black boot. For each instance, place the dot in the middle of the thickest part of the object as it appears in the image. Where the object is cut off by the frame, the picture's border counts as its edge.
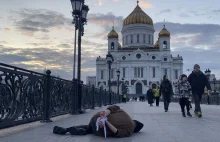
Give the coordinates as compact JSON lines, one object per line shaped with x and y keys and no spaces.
{"x":189,"y":114}
{"x":183,"y":114}
{"x":76,"y":131}
{"x":59,"y":130}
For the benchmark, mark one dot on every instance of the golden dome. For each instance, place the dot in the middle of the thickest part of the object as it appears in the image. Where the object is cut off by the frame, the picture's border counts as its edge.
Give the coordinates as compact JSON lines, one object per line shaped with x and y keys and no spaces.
{"x":164,"y":32}
{"x":138,"y":16}
{"x":113,"y":34}
{"x":156,"y":45}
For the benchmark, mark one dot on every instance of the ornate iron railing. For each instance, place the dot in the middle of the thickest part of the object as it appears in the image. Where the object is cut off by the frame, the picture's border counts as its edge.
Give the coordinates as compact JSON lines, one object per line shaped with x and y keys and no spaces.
{"x":210,"y":100}
{"x":27,"y":96}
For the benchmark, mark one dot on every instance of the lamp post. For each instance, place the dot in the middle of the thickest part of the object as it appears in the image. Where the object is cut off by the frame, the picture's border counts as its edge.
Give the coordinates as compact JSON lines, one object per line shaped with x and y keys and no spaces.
{"x":214,"y":82}
{"x":208,"y":73}
{"x":110,"y":60}
{"x":79,"y":13}
{"x":118,"y":75}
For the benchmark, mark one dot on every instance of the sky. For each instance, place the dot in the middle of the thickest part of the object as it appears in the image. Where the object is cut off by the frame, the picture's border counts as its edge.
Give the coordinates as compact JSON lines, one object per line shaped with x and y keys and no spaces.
{"x":38,"y":35}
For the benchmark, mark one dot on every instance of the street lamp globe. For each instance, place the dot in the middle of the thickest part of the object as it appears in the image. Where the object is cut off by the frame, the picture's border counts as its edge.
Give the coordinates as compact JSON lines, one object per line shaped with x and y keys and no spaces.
{"x":85,"y":10}
{"x":208,"y":72}
{"x":118,"y":72}
{"x":77,"y":6}
{"x":109,"y":58}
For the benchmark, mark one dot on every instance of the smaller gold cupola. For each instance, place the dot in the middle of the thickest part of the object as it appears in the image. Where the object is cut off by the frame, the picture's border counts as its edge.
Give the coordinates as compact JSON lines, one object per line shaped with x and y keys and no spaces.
{"x":164,"y":32}
{"x":113,"y":33}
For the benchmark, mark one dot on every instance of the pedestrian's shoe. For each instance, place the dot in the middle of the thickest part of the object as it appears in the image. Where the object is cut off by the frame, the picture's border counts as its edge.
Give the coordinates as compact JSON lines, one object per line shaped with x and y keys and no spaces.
{"x":76,"y":131}
{"x":59,"y":130}
{"x":183,"y":114}
{"x":189,"y":114}
{"x":199,"y":114}
{"x":166,"y":110}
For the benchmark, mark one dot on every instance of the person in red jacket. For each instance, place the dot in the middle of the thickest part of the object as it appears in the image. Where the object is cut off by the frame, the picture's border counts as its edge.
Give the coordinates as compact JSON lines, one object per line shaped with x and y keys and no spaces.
{"x":118,"y":124}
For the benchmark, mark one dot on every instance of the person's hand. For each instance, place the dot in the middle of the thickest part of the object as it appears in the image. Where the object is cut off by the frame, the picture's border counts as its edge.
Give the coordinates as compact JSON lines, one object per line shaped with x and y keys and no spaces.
{"x":100,"y":124}
{"x":102,"y":114}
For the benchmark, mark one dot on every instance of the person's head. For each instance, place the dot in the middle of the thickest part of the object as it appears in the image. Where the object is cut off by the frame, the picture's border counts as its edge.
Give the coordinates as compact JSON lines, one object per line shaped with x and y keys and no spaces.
{"x":183,"y":78}
{"x":196,"y":68}
{"x":165,"y":77}
{"x":138,"y":126}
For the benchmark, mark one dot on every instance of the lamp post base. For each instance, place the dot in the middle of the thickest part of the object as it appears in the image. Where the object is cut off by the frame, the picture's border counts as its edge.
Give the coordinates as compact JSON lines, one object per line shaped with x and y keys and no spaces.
{"x":81,"y":111}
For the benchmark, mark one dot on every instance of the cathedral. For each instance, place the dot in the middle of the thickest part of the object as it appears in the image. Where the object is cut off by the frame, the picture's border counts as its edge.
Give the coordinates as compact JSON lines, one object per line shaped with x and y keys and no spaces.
{"x":141,"y":61}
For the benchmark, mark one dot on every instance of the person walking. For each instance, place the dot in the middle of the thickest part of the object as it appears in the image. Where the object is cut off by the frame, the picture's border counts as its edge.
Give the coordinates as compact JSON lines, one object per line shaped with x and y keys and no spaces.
{"x":198,"y":82}
{"x":184,"y":89}
{"x":156,"y":95}
{"x":124,"y":98}
{"x":166,"y":90}
{"x":150,"y":97}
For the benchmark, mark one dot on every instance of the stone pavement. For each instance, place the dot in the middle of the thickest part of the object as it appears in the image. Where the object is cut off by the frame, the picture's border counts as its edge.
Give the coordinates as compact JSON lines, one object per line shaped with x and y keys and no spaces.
{"x":159,"y":126}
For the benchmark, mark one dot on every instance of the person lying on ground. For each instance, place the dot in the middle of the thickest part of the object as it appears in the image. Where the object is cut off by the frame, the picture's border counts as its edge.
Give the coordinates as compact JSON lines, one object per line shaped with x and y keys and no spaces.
{"x":117,"y":124}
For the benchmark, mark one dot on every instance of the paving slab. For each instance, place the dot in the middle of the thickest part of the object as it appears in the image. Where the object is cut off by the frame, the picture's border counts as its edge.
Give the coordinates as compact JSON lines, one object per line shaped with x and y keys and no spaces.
{"x":159,"y":126}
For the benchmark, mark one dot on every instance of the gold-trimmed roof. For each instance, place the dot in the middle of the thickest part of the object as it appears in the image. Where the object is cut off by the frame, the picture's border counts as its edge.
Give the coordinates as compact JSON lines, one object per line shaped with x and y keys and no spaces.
{"x":156,"y":45}
{"x":164,"y":32}
{"x":138,"y":16}
{"x":113,"y":34}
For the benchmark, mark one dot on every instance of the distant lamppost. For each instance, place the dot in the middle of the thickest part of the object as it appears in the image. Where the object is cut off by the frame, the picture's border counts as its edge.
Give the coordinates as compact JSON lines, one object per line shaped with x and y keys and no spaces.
{"x":79,"y":13}
{"x":118,"y":75}
{"x":208,"y":73}
{"x":110,"y":60}
{"x":214,"y":82}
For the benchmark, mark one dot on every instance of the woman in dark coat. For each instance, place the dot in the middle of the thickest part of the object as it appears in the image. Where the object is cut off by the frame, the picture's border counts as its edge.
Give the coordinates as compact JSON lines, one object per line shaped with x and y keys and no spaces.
{"x":150,"y":97}
{"x":167,"y":91}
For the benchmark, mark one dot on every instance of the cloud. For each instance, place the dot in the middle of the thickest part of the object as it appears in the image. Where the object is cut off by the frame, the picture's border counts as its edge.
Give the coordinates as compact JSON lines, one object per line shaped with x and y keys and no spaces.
{"x":145,"y":4}
{"x":183,"y":15}
{"x":40,"y":20}
{"x":164,"y":11}
{"x":100,"y":3}
{"x":115,"y":0}
{"x":7,"y":30}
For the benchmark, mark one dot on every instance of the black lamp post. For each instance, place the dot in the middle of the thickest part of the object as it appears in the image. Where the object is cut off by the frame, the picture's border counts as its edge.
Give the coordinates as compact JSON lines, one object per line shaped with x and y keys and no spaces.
{"x":79,"y":13}
{"x":118,"y":75}
{"x":214,"y":82}
{"x":208,"y":73}
{"x":110,"y":60}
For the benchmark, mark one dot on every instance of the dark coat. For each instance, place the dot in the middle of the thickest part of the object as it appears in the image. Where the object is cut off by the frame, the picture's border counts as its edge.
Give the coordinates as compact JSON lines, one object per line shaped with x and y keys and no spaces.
{"x":150,"y":96}
{"x":198,"y":82}
{"x":166,"y":88}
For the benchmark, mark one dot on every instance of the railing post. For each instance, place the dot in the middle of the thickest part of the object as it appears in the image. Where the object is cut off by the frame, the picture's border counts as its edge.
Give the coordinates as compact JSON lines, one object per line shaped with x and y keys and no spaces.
{"x":93,"y":97}
{"x":100,"y":97}
{"x":105,"y":93}
{"x":47,"y":98}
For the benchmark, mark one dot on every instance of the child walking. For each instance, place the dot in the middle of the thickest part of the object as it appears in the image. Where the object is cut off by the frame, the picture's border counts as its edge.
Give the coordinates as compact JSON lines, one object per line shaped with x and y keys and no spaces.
{"x":184,"y":95}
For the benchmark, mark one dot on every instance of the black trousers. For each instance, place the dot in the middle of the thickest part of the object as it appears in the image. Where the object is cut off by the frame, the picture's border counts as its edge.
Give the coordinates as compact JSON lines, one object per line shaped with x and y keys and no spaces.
{"x":197,"y":98}
{"x":91,"y":128}
{"x":166,"y":99}
{"x":157,"y":100}
{"x":184,"y":102}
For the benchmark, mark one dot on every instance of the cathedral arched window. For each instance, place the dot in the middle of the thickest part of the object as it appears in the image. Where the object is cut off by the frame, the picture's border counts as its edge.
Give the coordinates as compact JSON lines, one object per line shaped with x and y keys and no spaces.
{"x":154,"y":72}
{"x":137,"y":38}
{"x":126,"y":40}
{"x":112,"y":45}
{"x":144,"y":38}
{"x":165,"y":44}
{"x":149,"y":39}
{"x":131,"y":38}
